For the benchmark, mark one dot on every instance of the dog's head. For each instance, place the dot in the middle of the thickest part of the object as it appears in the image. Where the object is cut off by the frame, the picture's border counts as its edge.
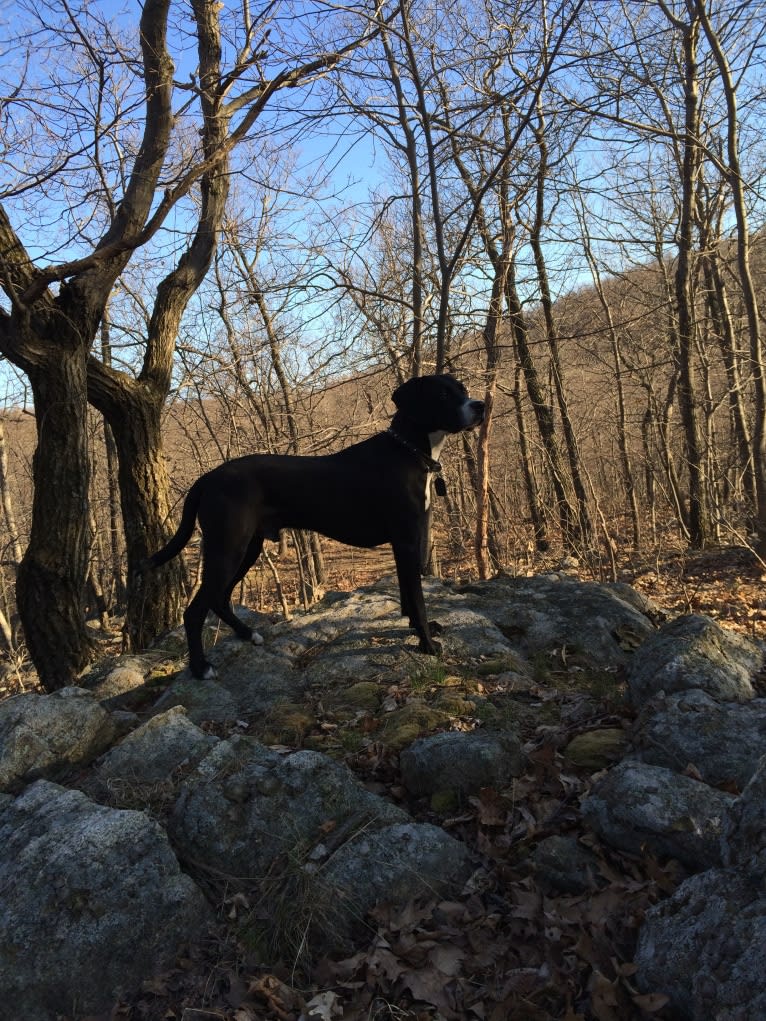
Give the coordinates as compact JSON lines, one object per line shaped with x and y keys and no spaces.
{"x":438,"y":403}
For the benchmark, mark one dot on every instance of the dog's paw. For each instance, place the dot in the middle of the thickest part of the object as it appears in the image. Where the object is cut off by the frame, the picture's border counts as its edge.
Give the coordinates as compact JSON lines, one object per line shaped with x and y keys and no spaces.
{"x":429,"y":648}
{"x":206,"y":672}
{"x":435,"y":627}
{"x":256,"y":639}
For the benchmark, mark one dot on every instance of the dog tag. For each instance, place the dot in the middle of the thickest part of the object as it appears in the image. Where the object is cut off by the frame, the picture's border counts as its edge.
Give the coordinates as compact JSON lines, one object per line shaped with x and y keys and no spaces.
{"x":440,"y":486}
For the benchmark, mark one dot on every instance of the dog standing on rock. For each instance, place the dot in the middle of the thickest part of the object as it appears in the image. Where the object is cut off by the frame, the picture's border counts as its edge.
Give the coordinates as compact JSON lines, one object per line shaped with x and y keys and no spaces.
{"x":371,"y":493}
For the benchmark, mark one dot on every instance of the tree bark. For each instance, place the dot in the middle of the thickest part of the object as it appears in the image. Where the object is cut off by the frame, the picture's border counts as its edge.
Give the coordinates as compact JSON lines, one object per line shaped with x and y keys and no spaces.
{"x":700,"y":532}
{"x":133,"y":412}
{"x":416,"y":203}
{"x":116,"y":536}
{"x":530,"y":486}
{"x":14,"y":543}
{"x":51,"y":580}
{"x":483,"y":473}
{"x":720,"y":314}
{"x":543,"y":414}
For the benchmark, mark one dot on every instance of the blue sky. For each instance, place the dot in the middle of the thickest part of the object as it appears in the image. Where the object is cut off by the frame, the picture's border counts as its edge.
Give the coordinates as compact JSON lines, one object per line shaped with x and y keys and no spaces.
{"x":353,"y":165}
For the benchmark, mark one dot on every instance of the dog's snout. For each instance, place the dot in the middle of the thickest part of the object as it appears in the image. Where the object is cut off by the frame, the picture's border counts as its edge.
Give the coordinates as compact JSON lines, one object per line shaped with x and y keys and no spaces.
{"x":471,"y":413}
{"x":476,"y":410}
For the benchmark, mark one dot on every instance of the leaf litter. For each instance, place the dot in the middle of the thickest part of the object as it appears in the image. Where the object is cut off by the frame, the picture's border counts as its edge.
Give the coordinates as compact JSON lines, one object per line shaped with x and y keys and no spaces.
{"x":511,"y":948}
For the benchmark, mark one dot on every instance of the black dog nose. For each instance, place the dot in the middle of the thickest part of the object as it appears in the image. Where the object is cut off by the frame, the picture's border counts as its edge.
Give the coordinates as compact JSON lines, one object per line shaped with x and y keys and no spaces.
{"x":477,"y":407}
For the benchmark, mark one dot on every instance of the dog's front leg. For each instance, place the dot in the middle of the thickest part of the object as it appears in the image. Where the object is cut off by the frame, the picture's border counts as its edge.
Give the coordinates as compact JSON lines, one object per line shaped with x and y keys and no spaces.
{"x":408,"y":570}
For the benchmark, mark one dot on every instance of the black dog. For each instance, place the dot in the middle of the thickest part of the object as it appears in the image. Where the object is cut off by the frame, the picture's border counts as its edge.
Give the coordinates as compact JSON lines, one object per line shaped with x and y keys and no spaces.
{"x":368,"y":494}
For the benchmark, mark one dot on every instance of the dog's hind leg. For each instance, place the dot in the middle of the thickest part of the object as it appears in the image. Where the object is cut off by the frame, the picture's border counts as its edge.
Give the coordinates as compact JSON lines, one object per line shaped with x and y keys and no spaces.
{"x":225,"y":610}
{"x":194,"y":620}
{"x":220,"y":567}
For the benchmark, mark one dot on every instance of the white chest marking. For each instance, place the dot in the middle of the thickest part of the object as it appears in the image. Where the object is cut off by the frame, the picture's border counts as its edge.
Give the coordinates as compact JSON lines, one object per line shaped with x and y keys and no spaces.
{"x":437,"y":442}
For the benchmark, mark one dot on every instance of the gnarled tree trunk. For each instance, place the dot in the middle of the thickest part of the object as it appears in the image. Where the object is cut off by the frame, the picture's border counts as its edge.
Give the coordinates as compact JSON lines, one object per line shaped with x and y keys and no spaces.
{"x":50,"y":585}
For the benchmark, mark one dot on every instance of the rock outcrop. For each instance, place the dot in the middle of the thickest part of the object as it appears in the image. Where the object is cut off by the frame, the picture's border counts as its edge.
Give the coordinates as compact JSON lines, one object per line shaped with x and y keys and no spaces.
{"x":131,"y":804}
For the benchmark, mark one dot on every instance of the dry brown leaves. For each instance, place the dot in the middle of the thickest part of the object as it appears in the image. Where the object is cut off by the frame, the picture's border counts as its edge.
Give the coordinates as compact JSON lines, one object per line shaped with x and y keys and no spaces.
{"x":508,"y":949}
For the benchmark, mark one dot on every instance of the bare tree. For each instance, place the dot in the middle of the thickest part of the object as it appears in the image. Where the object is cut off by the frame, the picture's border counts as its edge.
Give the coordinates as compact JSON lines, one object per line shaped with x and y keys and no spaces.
{"x":49,"y":333}
{"x":734,"y":174}
{"x":660,"y":85}
{"x":700,"y":523}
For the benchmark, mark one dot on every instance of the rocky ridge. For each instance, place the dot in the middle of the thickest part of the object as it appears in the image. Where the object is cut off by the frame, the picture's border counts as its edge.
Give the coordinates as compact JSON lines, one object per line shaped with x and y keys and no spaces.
{"x":335,"y":800}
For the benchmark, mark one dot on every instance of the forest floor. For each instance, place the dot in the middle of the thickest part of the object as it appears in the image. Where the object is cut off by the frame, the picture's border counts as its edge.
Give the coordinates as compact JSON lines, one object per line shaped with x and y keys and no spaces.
{"x":726,"y":584}
{"x":508,"y":950}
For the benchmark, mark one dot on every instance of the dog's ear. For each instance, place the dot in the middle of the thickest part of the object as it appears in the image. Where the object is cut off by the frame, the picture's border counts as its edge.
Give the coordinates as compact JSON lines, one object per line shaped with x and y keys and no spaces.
{"x":406,"y":392}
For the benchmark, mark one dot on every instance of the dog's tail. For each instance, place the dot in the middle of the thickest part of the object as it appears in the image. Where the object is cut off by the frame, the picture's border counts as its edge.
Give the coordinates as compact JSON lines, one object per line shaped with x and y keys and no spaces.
{"x":183,"y":533}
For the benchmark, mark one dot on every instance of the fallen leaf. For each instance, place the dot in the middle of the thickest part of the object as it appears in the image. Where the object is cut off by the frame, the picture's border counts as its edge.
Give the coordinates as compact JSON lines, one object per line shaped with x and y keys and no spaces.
{"x":651,"y":1002}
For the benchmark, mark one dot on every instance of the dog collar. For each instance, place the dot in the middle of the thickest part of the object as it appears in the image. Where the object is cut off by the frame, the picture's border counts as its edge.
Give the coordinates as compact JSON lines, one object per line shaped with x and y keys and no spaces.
{"x":433,"y":466}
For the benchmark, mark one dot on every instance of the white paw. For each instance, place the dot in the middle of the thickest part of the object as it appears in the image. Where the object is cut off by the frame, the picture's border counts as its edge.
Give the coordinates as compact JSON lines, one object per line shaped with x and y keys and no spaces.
{"x":256,"y":638}
{"x":209,"y":673}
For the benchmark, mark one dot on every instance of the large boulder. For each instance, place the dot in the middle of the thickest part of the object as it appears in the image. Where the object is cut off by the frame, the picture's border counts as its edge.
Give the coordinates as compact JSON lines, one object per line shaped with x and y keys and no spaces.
{"x":460,"y":762}
{"x":249,"y":681}
{"x":340,"y":621}
{"x":93,"y":902}
{"x":695,"y":652}
{"x":245,"y":805}
{"x":705,"y":946}
{"x":601,"y":624}
{"x":321,"y":848}
{"x":636,"y":805}
{"x":744,"y":839}
{"x":723,"y":741}
{"x":152,"y":752}
{"x":394,"y":864}
{"x":362,"y":636}
{"x":43,"y":735}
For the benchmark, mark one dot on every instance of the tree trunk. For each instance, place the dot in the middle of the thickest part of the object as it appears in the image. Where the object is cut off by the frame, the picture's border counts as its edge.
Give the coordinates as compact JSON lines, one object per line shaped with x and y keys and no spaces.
{"x":52,"y":576}
{"x":410,"y":148}
{"x":584,"y":525}
{"x":723,"y":327}
{"x":651,"y":489}
{"x":134,"y":414}
{"x":737,"y":184}
{"x":543,"y":415}
{"x":628,"y":480}
{"x":481,"y":537}
{"x":133,"y":408}
{"x":116,"y":542}
{"x":530,"y":486}
{"x":14,"y":543}
{"x":661,"y":419}
{"x":492,"y":353}
{"x":700,"y":532}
